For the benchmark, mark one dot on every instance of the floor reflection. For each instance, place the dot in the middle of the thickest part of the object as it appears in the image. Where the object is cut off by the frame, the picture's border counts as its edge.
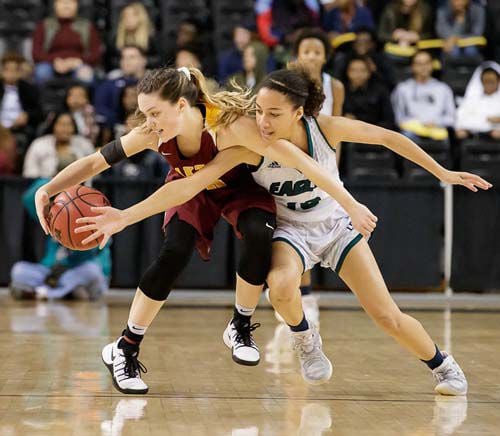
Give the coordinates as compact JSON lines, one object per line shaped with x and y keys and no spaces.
{"x":126,"y":410}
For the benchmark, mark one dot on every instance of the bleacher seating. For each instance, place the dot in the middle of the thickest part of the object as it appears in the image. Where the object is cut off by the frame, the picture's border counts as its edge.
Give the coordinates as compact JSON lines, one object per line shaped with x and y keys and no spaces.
{"x":481,"y":156}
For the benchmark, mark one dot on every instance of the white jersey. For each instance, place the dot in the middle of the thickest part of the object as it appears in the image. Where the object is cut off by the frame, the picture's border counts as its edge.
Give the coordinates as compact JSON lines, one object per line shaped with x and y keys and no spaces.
{"x":327,"y":108}
{"x":297,"y":198}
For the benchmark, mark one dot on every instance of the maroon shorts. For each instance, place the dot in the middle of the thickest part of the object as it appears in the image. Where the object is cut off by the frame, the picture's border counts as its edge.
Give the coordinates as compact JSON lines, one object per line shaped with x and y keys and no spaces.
{"x":203,"y":211}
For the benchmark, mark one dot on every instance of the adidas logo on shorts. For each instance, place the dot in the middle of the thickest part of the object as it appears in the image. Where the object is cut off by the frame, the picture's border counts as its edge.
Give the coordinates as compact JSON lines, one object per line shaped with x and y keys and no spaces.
{"x":274,"y":164}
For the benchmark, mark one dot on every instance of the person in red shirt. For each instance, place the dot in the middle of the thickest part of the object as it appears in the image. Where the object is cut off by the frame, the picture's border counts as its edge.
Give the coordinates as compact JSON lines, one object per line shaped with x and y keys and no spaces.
{"x":66,"y":44}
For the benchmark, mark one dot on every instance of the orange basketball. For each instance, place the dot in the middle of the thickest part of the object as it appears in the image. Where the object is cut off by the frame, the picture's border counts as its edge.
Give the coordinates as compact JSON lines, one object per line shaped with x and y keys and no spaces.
{"x":67,"y":207}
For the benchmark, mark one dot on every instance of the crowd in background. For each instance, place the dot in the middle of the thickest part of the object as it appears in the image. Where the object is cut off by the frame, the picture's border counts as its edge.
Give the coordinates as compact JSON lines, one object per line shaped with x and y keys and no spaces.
{"x":387,"y":58}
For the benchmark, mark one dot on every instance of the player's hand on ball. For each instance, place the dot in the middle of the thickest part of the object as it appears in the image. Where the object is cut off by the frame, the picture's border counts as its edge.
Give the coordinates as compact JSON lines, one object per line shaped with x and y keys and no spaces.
{"x":469,"y":180}
{"x":107,"y":223}
{"x":363,"y":220}
{"x":42,"y":203}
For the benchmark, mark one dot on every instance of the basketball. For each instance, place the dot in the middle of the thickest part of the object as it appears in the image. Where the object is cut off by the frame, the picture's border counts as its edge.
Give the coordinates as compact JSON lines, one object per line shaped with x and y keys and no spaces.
{"x":68,"y":206}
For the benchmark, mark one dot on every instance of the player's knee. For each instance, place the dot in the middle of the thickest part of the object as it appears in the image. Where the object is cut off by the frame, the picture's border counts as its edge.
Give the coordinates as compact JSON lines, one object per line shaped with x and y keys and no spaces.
{"x":282,"y":284}
{"x":257,"y":227}
{"x":390,"y":322}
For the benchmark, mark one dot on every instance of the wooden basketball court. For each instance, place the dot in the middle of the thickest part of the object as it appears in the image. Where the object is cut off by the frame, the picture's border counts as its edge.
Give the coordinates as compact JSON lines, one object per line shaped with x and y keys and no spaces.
{"x":54,"y":383}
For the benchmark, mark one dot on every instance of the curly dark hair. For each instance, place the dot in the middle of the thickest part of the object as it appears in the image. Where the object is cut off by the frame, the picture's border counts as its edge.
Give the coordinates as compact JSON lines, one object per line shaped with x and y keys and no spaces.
{"x":297,"y":84}
{"x":316,"y":33}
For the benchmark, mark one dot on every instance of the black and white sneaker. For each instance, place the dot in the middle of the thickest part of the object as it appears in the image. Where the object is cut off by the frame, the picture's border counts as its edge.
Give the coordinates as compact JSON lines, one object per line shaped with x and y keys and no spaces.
{"x":125,"y":368}
{"x":238,"y":337}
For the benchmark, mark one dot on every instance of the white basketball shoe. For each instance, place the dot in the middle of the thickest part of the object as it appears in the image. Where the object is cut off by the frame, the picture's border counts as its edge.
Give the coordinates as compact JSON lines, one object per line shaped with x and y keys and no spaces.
{"x":315,"y":366}
{"x":450,"y":377}
{"x":125,"y":368}
{"x":238,"y":337}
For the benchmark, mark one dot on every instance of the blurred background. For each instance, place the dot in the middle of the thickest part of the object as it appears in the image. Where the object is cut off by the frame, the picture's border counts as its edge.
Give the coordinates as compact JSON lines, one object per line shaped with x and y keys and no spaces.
{"x":426,"y":68}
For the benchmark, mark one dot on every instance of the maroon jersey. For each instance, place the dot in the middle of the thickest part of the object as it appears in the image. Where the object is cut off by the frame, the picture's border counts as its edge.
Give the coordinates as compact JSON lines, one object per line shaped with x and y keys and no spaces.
{"x":181,"y":166}
{"x":233,"y":193}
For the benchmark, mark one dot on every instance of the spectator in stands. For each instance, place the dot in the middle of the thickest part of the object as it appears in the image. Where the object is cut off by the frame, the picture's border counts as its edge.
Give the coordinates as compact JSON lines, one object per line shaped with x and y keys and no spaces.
{"x":61,"y":273}
{"x":7,"y":151}
{"x":19,"y":104}
{"x":423,"y":106}
{"x":190,"y":56}
{"x":66,"y":44}
{"x":190,"y":34}
{"x":108,"y":93}
{"x":128,"y":106}
{"x":312,"y":48}
{"x":231,"y":60}
{"x":134,"y":28}
{"x":405,"y":22}
{"x":365,"y":45}
{"x":56,"y":149}
{"x":460,"y":19}
{"x":277,"y":20}
{"x":347,"y":16}
{"x":249,"y":77}
{"x":366,"y":99}
{"x":479,"y":112}
{"x":77,"y":102}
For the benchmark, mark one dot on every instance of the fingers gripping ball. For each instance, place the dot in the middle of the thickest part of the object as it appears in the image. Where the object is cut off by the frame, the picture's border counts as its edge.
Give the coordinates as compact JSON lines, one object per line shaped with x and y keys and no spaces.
{"x":68,"y":206}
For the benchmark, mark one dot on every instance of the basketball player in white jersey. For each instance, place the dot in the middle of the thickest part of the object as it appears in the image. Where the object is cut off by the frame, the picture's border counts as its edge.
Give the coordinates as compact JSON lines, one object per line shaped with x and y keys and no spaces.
{"x":312,"y":49}
{"x":311,"y":228}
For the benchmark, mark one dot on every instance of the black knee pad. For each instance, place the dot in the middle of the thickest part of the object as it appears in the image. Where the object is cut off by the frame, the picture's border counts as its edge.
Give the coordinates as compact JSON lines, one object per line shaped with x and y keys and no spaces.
{"x":257,"y":228}
{"x":175,"y":254}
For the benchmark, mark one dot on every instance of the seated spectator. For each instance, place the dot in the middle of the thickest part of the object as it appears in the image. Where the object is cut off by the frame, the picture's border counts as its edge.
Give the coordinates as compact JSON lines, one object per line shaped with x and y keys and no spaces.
{"x":347,"y":16}
{"x":249,"y":77}
{"x":7,"y":152}
{"x":77,"y":102}
{"x":366,"y":99}
{"x":365,"y":45}
{"x":190,"y":56}
{"x":423,"y":106}
{"x":20,"y":108}
{"x":278,"y":20}
{"x":479,"y":112}
{"x":231,"y":60}
{"x":190,"y":34}
{"x":134,"y":28}
{"x":108,"y":93}
{"x":128,"y":106}
{"x":55,"y":150}
{"x":66,"y":44}
{"x":405,"y":22}
{"x":61,"y":273}
{"x":460,"y":19}
{"x":312,"y":48}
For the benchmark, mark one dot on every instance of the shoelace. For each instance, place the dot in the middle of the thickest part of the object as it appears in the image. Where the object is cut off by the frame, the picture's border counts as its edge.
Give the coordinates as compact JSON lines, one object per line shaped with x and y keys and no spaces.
{"x":244,"y":333}
{"x":450,"y":371}
{"x":133,"y":366}
{"x":300,"y":342}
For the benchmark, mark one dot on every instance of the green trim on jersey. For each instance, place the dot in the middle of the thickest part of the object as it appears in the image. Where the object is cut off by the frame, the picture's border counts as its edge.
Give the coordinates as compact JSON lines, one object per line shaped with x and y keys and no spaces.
{"x":346,"y":250}
{"x":310,"y":148}
{"x":323,"y":135}
{"x":287,"y":241}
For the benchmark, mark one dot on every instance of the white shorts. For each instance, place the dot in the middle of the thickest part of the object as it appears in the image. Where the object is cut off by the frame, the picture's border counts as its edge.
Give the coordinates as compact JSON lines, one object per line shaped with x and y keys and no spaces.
{"x":327,"y":242}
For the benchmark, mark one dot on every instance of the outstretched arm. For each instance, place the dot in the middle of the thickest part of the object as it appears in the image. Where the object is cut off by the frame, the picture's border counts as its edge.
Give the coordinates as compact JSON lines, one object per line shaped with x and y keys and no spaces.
{"x":86,"y":168}
{"x":343,"y":129}
{"x":111,"y":221}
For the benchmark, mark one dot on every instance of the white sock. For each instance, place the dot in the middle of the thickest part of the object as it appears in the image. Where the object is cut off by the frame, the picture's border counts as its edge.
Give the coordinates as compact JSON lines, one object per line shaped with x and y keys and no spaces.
{"x":245,"y":311}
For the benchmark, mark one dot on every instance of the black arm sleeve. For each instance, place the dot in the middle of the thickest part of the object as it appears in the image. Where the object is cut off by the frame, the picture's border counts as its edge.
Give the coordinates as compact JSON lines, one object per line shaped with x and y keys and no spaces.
{"x":113,"y":152}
